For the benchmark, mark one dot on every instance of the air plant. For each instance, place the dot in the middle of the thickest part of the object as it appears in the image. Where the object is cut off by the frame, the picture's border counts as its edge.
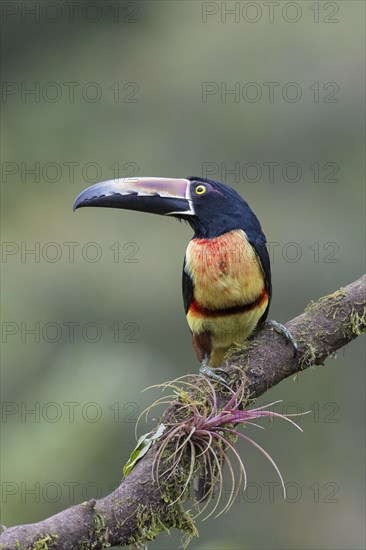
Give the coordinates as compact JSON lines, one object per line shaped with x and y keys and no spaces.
{"x":198,"y":433}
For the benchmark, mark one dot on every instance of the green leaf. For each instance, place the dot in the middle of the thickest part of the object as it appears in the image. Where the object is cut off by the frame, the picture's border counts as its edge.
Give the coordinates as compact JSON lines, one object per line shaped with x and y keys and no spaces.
{"x":143,"y":445}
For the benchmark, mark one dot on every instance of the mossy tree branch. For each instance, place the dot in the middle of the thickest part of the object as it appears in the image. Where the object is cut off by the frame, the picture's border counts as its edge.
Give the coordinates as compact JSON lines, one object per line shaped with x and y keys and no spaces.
{"x":138,"y":509}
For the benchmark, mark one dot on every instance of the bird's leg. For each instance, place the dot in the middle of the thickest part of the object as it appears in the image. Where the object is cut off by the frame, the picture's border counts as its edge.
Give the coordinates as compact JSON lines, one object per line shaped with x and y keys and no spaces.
{"x":281,"y":329}
{"x":212,"y":372}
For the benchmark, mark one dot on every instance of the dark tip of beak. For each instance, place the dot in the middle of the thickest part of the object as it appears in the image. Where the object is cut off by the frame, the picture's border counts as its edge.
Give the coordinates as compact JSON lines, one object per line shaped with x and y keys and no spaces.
{"x":111,"y":201}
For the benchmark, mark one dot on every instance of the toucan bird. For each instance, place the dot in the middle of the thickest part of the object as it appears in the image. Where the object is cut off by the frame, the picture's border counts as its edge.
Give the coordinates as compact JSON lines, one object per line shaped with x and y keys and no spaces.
{"x":226,"y":272}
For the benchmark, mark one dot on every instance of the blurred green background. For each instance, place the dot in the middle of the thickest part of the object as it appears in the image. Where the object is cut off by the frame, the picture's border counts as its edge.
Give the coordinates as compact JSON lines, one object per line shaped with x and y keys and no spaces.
{"x":119,"y":88}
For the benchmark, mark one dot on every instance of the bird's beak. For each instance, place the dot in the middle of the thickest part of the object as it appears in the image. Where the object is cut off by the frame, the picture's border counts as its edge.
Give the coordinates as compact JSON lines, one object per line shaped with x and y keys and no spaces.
{"x":165,"y":196}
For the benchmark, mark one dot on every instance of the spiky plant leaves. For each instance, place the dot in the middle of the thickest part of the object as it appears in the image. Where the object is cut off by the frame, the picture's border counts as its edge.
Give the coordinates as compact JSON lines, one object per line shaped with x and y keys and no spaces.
{"x":198,"y":436}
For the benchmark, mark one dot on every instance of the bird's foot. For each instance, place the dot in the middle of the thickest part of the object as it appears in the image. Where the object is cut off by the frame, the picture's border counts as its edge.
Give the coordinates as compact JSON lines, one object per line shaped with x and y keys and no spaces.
{"x":281,"y":329}
{"x":212,"y":372}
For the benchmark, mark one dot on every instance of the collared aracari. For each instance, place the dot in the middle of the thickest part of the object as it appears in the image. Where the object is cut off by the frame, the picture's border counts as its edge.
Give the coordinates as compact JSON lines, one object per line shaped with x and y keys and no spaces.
{"x":226,"y":273}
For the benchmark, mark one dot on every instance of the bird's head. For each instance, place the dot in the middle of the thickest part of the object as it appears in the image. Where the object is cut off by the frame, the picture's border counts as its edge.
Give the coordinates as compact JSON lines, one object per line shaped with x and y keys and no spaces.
{"x":210,"y":207}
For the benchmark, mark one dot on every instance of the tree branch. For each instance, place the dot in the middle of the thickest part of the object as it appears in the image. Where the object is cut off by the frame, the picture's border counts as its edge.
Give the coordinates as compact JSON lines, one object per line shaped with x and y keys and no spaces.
{"x":138,"y":510}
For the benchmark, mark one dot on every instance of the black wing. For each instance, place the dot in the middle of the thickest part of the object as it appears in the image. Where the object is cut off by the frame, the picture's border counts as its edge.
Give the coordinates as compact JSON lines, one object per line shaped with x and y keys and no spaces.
{"x":259,"y":245}
{"x":187,"y":287}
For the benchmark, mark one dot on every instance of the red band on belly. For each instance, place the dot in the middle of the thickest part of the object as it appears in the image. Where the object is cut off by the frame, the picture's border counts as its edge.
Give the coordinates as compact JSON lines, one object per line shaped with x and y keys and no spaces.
{"x":198,"y":309}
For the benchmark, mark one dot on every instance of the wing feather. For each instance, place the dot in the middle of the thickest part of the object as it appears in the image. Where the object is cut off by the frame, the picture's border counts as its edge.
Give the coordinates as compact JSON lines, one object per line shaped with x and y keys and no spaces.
{"x":259,"y":244}
{"x":187,"y":287}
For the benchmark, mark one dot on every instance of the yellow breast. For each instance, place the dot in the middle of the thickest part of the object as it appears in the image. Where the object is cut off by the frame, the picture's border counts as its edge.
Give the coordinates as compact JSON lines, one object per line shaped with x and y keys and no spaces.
{"x":225,"y":270}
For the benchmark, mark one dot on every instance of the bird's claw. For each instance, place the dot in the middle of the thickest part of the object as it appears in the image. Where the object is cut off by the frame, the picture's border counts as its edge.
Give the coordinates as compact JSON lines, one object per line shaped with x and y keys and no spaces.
{"x":212,"y":372}
{"x":281,"y":329}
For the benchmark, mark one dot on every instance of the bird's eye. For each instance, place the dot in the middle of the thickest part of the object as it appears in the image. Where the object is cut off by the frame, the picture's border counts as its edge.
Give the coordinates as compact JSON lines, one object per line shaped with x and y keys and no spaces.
{"x":200,"y":189}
